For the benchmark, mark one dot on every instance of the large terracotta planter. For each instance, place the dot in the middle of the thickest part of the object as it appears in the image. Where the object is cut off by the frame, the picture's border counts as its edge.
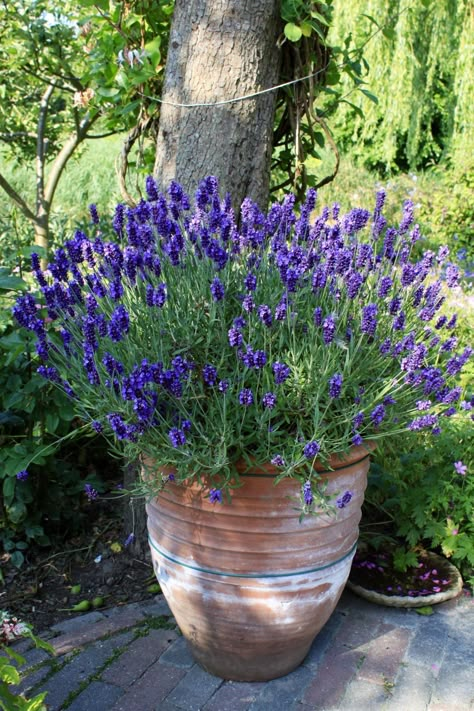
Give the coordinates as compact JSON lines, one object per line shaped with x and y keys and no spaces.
{"x":249,"y":585}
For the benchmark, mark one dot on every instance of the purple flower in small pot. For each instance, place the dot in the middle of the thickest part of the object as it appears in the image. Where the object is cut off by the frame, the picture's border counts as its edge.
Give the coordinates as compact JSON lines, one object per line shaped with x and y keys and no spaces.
{"x":344,"y":500}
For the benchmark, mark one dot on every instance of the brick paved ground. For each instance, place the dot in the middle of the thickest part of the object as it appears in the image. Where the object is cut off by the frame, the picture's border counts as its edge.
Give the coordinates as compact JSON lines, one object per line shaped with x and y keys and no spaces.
{"x":367,"y":658}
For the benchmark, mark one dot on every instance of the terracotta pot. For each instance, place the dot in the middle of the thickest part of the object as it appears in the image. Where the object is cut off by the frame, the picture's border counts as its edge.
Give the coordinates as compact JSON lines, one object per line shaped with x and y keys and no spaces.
{"x":249,"y":585}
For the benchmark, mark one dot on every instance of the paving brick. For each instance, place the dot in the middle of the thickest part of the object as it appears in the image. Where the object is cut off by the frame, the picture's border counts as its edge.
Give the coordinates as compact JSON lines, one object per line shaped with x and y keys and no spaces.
{"x":284,"y":693}
{"x":344,"y":656}
{"x":428,"y":645}
{"x":385,"y":653}
{"x":80,"y":668}
{"x":122,"y":609}
{"x":31,"y":680}
{"x":323,"y":639}
{"x":234,"y":696}
{"x":149,"y":691}
{"x":156,"y":608}
{"x":97,"y":696}
{"x":454,"y":684}
{"x":400,"y":617}
{"x":178,"y":655}
{"x":355,"y":605}
{"x":32,"y":658}
{"x":78,"y":622}
{"x":412,"y":689}
{"x":194,"y":689}
{"x":363,"y":695}
{"x":90,"y":633}
{"x":140,"y":655}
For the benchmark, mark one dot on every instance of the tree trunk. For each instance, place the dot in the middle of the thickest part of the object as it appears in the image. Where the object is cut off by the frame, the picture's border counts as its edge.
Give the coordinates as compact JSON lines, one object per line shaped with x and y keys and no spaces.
{"x":220,"y":50}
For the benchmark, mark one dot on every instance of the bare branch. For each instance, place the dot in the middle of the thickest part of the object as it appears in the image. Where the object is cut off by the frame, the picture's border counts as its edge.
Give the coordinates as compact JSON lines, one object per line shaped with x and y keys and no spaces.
{"x":91,"y":137}
{"x":17,"y":199}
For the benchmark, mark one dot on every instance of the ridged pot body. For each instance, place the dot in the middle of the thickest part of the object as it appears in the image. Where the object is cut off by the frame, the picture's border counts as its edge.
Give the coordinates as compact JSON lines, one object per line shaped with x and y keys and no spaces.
{"x":249,"y":584}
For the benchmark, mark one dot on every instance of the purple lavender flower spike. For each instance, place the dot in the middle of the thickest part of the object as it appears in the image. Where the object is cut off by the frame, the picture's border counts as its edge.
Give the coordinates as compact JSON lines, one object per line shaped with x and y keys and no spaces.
{"x":269,"y":400}
{"x":335,"y":385}
{"x":94,"y":214}
{"x":23,"y":475}
{"x":307,"y":493}
{"x":311,"y":449}
{"x":344,"y":500}
{"x":177,"y":437}
{"x":217,"y":289}
{"x":281,"y":372}
{"x":215,"y":496}
{"x":278,"y":461}
{"x":246,"y":397}
{"x":91,"y":493}
{"x":329,"y":329}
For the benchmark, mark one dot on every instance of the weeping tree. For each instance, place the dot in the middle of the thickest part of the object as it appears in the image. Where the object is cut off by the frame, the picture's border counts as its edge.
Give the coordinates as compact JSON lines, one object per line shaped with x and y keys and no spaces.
{"x":422,"y":72}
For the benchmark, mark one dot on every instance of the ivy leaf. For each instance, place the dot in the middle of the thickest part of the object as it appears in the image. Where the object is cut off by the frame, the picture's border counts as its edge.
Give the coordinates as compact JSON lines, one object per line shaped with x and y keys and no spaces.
{"x":306,"y":29}
{"x":427,"y":610}
{"x":292,"y":32}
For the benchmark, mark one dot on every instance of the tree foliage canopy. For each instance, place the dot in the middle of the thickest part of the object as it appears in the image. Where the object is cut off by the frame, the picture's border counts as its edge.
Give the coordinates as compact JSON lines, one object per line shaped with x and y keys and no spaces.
{"x":422,"y":72}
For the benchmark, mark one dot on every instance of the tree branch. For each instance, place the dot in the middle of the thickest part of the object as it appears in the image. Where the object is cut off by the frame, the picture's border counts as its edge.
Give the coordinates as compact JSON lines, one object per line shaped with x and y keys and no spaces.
{"x":17,"y":199}
{"x":43,"y":110}
{"x":10,"y":137}
{"x":64,"y":154}
{"x":122,"y":160}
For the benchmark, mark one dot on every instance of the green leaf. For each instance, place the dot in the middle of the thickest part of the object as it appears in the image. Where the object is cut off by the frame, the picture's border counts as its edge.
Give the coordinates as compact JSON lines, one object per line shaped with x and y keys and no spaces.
{"x":370,"y":96}
{"x":306,"y":29}
{"x":108,"y":93}
{"x":427,"y":610}
{"x":10,"y":674}
{"x":12,"y":283}
{"x":389,"y":33}
{"x":52,"y":422}
{"x":9,"y":487}
{"x":320,"y":18}
{"x":292,"y":32}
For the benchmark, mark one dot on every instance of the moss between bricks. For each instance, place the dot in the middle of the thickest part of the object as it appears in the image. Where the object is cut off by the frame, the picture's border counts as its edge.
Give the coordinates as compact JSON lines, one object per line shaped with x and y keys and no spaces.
{"x":143,"y":629}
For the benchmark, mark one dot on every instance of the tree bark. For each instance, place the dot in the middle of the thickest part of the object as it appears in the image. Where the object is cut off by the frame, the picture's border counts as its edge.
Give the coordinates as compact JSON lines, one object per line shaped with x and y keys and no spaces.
{"x":220,"y":50}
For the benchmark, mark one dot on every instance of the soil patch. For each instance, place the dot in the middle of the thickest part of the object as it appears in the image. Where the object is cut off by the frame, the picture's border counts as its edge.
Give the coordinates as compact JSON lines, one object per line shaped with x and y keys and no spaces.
{"x":94,"y":570}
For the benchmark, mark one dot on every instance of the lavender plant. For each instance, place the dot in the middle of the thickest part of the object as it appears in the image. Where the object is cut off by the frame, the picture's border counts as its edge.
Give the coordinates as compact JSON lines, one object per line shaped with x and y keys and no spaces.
{"x":194,"y":341}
